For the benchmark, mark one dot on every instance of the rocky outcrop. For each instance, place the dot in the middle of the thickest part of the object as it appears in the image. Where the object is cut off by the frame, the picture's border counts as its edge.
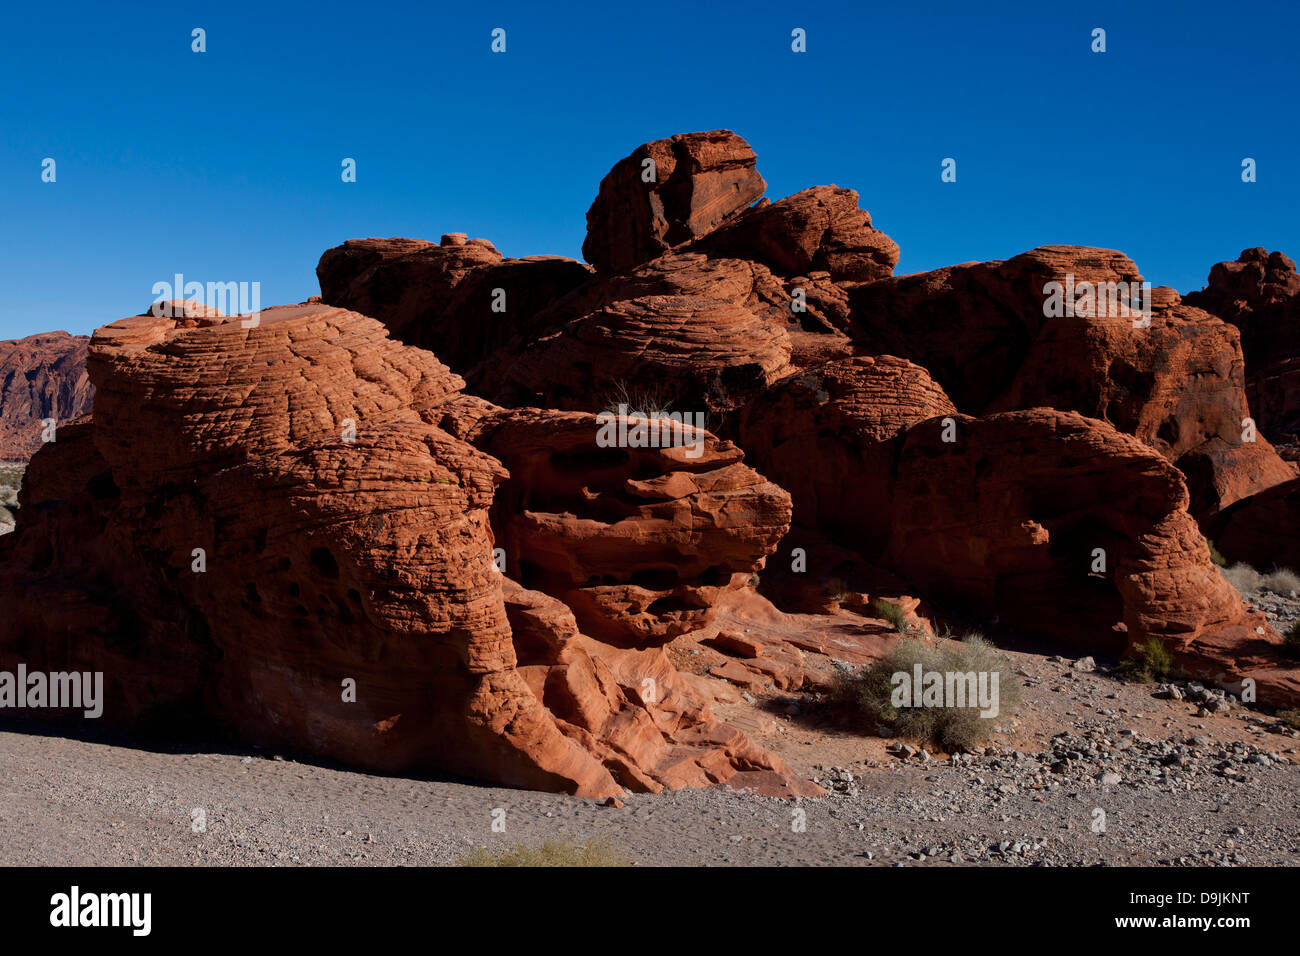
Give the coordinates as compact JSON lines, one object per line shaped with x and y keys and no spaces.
{"x":42,"y":377}
{"x":666,"y":193}
{"x":827,"y":435}
{"x":264,"y":528}
{"x":640,"y":542}
{"x":1063,"y":526}
{"x":988,"y":334}
{"x":313,"y":533}
{"x":460,"y":299}
{"x":821,"y":229}
{"x":1260,"y":294}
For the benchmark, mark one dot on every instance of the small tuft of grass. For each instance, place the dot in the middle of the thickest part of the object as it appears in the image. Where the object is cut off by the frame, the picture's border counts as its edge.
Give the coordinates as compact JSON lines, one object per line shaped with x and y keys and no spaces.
{"x":1152,"y":665}
{"x":891,"y":612}
{"x":867,"y":697}
{"x":595,"y":852}
{"x":650,"y":402}
{"x":1216,"y":555}
{"x":1290,"y":717}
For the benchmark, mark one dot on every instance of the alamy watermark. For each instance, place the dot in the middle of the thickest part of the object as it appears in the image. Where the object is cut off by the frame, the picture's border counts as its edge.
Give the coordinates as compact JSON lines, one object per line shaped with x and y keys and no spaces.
{"x":58,"y":690}
{"x":948,"y":689}
{"x":1098,"y":299}
{"x":228,"y":298}
{"x":635,"y":429}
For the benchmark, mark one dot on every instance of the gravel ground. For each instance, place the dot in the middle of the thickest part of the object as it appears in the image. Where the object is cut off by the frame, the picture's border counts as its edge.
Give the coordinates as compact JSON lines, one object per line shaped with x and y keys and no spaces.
{"x":1175,"y":788}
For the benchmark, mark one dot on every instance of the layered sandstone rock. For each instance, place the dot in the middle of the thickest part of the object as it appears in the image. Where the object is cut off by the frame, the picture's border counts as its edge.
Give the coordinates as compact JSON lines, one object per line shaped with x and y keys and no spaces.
{"x":259,"y":521}
{"x":42,"y":377}
{"x":640,"y":542}
{"x":459,"y":299}
{"x":821,"y":229}
{"x":668,"y":192}
{"x":827,"y":436}
{"x":1260,"y":294}
{"x":1174,"y":379}
{"x":1061,"y":525}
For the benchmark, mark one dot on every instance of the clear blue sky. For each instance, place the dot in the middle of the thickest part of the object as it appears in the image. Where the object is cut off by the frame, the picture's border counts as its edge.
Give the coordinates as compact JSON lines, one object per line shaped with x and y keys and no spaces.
{"x":225,"y":165}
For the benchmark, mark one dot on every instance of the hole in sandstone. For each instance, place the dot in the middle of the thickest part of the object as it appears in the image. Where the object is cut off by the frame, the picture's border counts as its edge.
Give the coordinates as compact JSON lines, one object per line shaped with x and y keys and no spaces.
{"x":102,"y":487}
{"x":714,"y":576}
{"x":589,"y":460}
{"x":654,"y":579}
{"x":354,"y":596}
{"x":670,"y":604}
{"x":259,"y":539}
{"x":294,"y":590}
{"x":323,"y":561}
{"x":253,"y":595}
{"x":1168,"y":430}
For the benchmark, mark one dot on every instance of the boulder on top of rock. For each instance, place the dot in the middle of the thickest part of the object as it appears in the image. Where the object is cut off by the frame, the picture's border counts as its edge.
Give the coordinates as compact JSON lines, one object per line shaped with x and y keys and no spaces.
{"x":460,"y":299}
{"x":821,"y":229}
{"x":405,"y":283}
{"x":668,"y":192}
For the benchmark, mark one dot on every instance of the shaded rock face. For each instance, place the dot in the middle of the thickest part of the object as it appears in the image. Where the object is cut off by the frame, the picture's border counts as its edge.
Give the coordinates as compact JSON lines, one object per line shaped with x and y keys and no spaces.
{"x":666,"y":193}
{"x":1260,"y":294}
{"x":41,"y":377}
{"x":1263,"y":530}
{"x":1063,"y":526}
{"x":1177,"y":384}
{"x":828,"y":436}
{"x":242,"y":561}
{"x":459,"y":299}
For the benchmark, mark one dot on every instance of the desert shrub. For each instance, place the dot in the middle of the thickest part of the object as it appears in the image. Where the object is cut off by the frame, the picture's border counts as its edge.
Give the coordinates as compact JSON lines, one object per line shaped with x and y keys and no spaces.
{"x":1216,"y":555}
{"x":867,"y":696}
{"x":595,"y":852}
{"x":1243,"y":577}
{"x":1290,"y":717}
{"x":650,"y":402}
{"x":1282,"y":581}
{"x":891,"y":612}
{"x":1152,"y":663}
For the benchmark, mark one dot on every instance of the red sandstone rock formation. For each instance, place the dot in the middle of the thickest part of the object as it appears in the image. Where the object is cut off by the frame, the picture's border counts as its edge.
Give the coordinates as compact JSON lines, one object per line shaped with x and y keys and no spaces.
{"x":640,"y":542}
{"x":1177,"y":384}
{"x":349,"y":502}
{"x":666,"y":193}
{"x":821,"y":229}
{"x":1260,"y":294}
{"x":1063,"y":526}
{"x":460,"y":299}
{"x":827,"y":435}
{"x":41,"y":377}
{"x":242,"y":560}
